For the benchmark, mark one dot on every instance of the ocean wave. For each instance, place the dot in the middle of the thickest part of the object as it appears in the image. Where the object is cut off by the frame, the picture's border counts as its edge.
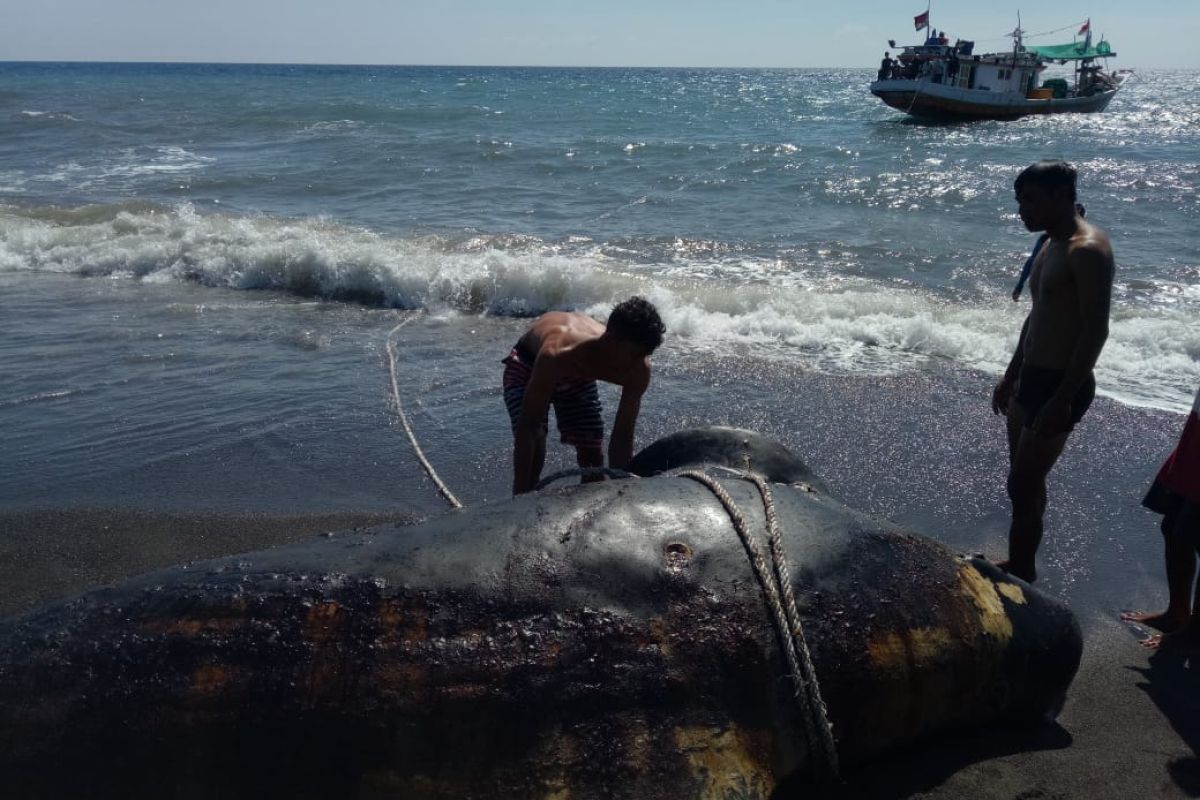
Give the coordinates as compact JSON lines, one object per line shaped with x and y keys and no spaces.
{"x":43,"y":397}
{"x":120,"y":169}
{"x":713,"y":299}
{"x":50,"y":116}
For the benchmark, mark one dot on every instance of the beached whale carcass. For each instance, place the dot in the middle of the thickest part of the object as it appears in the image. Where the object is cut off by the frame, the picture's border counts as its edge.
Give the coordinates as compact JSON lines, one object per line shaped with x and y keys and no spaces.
{"x":608,"y":640}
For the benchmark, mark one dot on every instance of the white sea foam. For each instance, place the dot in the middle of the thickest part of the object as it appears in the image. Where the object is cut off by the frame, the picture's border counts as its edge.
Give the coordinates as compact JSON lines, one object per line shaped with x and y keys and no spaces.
{"x":710,"y":302}
{"x":50,"y":115}
{"x":332,"y":126}
{"x":121,"y":167}
{"x":36,"y":398}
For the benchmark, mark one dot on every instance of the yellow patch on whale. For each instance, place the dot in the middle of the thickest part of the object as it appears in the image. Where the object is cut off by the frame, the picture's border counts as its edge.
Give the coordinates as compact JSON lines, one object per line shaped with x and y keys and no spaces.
{"x":728,"y":762}
{"x":903,"y":649}
{"x":193,"y":627}
{"x":210,"y":679}
{"x":993,"y":619}
{"x":1012,"y":592}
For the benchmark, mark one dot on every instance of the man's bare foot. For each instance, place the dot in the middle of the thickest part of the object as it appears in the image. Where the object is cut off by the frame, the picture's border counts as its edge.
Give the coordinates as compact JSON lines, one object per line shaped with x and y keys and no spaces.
{"x":1165,"y":622}
{"x":1185,"y":642}
{"x":1028,"y":575}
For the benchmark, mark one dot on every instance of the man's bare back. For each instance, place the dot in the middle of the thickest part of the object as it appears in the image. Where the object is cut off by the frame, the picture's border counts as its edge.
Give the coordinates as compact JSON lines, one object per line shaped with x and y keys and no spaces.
{"x":568,"y":339}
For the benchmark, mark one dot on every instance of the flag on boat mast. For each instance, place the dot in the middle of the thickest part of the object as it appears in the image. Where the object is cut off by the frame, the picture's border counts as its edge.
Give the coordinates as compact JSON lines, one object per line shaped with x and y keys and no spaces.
{"x":1086,"y":27}
{"x":921,"y":20}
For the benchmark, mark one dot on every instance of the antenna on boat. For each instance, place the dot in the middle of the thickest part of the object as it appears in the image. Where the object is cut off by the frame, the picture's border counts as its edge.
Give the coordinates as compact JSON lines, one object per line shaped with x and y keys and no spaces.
{"x":1018,"y":35}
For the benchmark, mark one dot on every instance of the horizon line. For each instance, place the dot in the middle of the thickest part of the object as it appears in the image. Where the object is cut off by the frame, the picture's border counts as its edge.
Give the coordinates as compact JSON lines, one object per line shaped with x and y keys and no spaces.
{"x":441,"y":66}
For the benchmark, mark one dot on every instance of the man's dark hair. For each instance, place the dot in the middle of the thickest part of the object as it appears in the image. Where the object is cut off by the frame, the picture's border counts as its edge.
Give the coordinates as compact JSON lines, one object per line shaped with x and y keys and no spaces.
{"x":636,"y":320}
{"x":1049,"y":175}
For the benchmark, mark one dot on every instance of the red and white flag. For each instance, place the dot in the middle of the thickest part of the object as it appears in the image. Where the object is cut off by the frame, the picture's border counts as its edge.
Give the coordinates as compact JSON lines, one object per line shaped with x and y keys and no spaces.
{"x":1087,"y":26}
{"x":921,"y":20}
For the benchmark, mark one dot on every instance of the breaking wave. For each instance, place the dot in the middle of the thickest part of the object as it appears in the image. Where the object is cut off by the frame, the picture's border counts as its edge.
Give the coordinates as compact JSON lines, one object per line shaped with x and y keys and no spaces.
{"x":717,"y":302}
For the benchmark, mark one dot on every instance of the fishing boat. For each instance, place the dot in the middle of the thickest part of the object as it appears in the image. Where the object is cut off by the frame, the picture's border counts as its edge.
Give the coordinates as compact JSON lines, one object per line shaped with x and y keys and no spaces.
{"x":940,"y":80}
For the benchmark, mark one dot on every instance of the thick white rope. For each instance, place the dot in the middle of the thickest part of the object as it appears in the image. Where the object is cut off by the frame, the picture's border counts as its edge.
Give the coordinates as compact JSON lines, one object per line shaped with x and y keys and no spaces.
{"x":777,"y":589}
{"x":391,"y":352}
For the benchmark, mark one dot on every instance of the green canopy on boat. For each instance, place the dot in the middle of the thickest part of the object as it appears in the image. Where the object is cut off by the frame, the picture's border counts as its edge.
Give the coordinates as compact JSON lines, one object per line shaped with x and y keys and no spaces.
{"x":1075,"y":51}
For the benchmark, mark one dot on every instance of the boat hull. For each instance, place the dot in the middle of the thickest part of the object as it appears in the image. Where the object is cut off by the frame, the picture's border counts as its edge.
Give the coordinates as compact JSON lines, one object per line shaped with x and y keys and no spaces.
{"x":934,"y":101}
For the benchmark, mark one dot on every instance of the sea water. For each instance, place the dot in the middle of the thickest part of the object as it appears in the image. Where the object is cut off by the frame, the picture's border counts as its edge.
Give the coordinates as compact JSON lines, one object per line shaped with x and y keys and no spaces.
{"x":200,"y":266}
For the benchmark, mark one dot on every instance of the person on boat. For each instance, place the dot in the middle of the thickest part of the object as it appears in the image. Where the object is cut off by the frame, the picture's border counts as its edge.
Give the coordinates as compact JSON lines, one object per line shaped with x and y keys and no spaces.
{"x":1049,"y":384}
{"x":943,"y":39}
{"x":1175,"y":494}
{"x":557,"y":362}
{"x":936,"y":70}
{"x":885,"y":67}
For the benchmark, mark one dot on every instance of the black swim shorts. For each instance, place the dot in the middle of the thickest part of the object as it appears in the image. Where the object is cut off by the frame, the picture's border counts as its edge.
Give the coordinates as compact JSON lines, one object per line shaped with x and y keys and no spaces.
{"x":1038,"y":384}
{"x":1181,"y":517}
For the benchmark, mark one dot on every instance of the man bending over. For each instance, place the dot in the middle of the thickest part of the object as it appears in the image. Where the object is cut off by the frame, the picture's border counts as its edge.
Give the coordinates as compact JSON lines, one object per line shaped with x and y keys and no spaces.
{"x":1048,"y":385}
{"x":558,"y":361}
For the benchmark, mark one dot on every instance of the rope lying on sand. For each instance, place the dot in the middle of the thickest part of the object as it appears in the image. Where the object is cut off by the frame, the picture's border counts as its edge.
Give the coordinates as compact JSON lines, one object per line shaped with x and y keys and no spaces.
{"x":391,"y":351}
{"x":777,"y":589}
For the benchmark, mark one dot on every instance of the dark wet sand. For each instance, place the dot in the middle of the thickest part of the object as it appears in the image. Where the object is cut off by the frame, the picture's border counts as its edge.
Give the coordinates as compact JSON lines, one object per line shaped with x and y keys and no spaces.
{"x":1130,"y":729}
{"x":51,"y":555}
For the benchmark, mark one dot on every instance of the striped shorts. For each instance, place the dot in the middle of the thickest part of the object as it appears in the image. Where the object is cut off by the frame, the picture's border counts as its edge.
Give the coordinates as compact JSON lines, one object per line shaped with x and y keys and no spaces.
{"x":576,"y":404}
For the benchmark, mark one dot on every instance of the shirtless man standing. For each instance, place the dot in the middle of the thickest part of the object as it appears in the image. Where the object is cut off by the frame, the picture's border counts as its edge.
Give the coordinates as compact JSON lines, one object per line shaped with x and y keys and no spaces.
{"x":1048,"y":385}
{"x":559,"y":360}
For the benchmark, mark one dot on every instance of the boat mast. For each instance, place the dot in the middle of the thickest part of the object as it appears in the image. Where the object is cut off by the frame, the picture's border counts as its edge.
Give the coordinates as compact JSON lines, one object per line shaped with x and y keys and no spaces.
{"x":1087,"y":43}
{"x":1018,"y":40}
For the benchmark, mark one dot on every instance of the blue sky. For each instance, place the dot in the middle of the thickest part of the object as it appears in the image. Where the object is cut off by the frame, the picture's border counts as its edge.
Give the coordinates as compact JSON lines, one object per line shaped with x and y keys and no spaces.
{"x":753,"y":33}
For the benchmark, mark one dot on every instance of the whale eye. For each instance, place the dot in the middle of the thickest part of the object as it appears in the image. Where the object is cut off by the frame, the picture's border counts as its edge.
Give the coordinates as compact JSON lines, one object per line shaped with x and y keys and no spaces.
{"x":677,"y":555}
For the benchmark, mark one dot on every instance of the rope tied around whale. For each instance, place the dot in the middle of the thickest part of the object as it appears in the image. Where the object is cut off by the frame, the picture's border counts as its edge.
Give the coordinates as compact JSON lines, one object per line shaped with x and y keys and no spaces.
{"x":777,"y":590}
{"x":585,"y":473}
